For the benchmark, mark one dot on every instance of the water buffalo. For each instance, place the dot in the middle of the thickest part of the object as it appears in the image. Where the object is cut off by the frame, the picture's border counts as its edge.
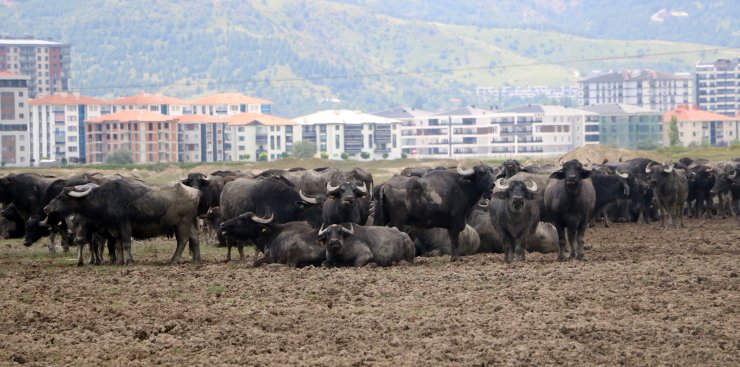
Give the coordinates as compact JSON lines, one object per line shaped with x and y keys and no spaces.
{"x":609,"y":189}
{"x":730,"y":182}
{"x":348,"y":244}
{"x":12,"y":225}
{"x":670,"y":190}
{"x":128,"y":208}
{"x":436,"y":241}
{"x":569,"y":200}
{"x":292,"y":243}
{"x":437,"y":199}
{"x":349,"y":201}
{"x":514,"y":213}
{"x":210,"y":188}
{"x":509,"y":168}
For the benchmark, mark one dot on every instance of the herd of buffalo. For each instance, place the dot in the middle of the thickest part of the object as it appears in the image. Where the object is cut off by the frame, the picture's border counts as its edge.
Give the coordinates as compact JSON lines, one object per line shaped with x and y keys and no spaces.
{"x":327,"y":216}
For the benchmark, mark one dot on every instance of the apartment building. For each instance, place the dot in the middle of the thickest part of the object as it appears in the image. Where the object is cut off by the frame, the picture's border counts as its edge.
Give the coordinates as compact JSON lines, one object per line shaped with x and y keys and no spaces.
{"x":229,"y":104}
{"x":46,"y":63}
{"x":352,"y":132}
{"x":645,"y":88}
{"x":57,"y":126}
{"x":258,"y":136}
{"x":718,"y":86}
{"x":627,"y":126}
{"x":697,"y":127}
{"x":151,"y":137}
{"x":158,"y":103}
{"x":14,"y":137}
{"x":201,"y":138}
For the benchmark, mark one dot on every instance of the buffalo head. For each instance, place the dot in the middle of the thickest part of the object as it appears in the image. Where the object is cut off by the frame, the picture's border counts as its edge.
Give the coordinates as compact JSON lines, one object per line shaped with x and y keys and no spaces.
{"x":196,"y":180}
{"x":724,"y":181}
{"x":515,"y":192}
{"x":510,"y":168}
{"x":333,"y":236}
{"x":658,"y":172}
{"x":572,"y":172}
{"x":68,"y":200}
{"x":247,"y":226}
{"x":346,"y":193}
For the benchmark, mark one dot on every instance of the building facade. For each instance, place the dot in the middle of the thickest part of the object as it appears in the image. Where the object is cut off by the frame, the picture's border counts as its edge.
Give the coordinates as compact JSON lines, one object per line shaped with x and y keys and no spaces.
{"x":57,"y":126}
{"x":14,"y":136}
{"x":150,"y":137}
{"x":645,"y":88}
{"x":46,"y":63}
{"x":627,"y":126}
{"x":344,"y":131}
{"x":157,"y":103}
{"x":201,"y":138}
{"x":228,"y":104}
{"x":257,"y":136}
{"x":697,"y":127}
{"x":718,"y":86}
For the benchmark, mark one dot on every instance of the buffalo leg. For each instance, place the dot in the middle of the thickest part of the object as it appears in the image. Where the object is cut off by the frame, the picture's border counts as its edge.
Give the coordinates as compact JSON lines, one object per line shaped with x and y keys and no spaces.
{"x":454,"y":241}
{"x":240,"y":248}
{"x":119,"y":252}
{"x":80,"y":260}
{"x":194,"y":242}
{"x":519,"y":248}
{"x":581,"y":255}
{"x":181,"y":235}
{"x":561,"y":242}
{"x":572,"y":240}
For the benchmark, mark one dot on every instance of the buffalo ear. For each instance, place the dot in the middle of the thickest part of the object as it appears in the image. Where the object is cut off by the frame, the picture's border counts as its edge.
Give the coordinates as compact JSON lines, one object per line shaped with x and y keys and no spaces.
{"x":303,"y":204}
{"x":322,"y":242}
{"x":558,"y":175}
{"x":585,"y":174}
{"x":500,"y":194}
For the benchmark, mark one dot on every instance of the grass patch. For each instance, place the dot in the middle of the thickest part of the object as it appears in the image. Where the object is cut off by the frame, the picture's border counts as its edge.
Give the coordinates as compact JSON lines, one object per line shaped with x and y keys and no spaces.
{"x":216,"y":288}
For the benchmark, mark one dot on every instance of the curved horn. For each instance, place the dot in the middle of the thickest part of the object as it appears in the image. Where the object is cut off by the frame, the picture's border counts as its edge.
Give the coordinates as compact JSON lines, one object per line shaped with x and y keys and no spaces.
{"x":623,"y":175}
{"x":330,"y":188}
{"x":350,"y":231}
{"x":307,"y":199}
{"x":733,"y":175}
{"x":485,"y":204}
{"x":669,"y":169}
{"x":647,"y":168}
{"x":533,"y":188}
{"x":362,"y":188}
{"x":323,"y":230}
{"x":79,"y":194}
{"x":500,"y":184}
{"x":464,"y":172}
{"x":257,"y":219}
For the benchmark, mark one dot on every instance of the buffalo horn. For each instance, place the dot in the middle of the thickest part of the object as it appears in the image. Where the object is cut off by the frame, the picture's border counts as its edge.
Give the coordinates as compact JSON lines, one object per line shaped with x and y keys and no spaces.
{"x":323,"y":230}
{"x":257,"y":219}
{"x":623,"y":175}
{"x":79,"y":194}
{"x":362,"y":188}
{"x":669,"y":169}
{"x":350,"y":231}
{"x":330,"y":188}
{"x":307,"y":199}
{"x":733,"y":175}
{"x":647,"y":168}
{"x":484,"y":205}
{"x":500,"y":184}
{"x":464,"y":172}
{"x":532,"y":188}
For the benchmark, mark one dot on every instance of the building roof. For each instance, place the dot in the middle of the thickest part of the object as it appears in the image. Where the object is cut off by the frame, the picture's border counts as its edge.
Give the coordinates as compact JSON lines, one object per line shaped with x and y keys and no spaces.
{"x":198,"y":119}
{"x":7,"y":75}
{"x":132,"y":115}
{"x":341,"y":117}
{"x":403,"y":112}
{"x":29,"y":42}
{"x":228,"y":99}
{"x":467,"y":111}
{"x":248,"y":118}
{"x":636,"y":75}
{"x":149,"y":99}
{"x":618,"y":109}
{"x":548,"y":110}
{"x":67,"y":99}
{"x":691,"y":113}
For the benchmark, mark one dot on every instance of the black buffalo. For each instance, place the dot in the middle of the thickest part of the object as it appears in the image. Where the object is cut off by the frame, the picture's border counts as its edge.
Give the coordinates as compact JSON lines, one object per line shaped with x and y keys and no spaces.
{"x":210,"y":188}
{"x":348,"y":201}
{"x":437,"y":199}
{"x":670,"y":191}
{"x":514,"y":213}
{"x":436,"y":241}
{"x":700,"y":180}
{"x":12,"y":225}
{"x":609,"y":188}
{"x":128,"y":208}
{"x":354,"y":245}
{"x":730,"y":182}
{"x":292,"y":243}
{"x":25,"y":190}
{"x":570,"y":199}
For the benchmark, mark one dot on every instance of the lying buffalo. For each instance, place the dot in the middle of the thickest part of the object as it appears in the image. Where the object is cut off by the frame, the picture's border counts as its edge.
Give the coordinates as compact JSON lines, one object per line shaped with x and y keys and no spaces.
{"x":348,"y":244}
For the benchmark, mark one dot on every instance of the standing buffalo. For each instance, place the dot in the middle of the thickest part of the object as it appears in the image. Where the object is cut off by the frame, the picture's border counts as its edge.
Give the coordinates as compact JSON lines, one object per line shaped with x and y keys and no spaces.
{"x":210,"y":188}
{"x":346,"y":202}
{"x":127,"y":208}
{"x":437,"y":199}
{"x":670,"y":190}
{"x":292,"y":243}
{"x":609,"y":189}
{"x":570,"y":200}
{"x":730,"y":182}
{"x":347,"y":244}
{"x":514,"y":214}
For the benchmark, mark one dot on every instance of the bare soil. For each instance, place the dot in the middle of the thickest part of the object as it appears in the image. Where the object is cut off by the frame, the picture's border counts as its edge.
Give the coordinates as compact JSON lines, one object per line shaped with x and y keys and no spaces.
{"x":646,"y":296}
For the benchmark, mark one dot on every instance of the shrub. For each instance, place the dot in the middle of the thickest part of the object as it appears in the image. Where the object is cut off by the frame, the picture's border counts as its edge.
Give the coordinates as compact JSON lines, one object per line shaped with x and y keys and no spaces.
{"x":324,"y":155}
{"x":245,"y":157}
{"x":345,"y":156}
{"x":262,"y":156}
{"x":647,"y":145}
{"x":404,"y":156}
{"x":304,"y":149}
{"x":385,"y":155}
{"x":122,"y":156}
{"x":365,"y":155}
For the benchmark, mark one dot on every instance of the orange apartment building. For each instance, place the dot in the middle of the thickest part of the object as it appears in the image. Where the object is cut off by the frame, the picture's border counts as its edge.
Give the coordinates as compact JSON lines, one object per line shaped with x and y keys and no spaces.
{"x":150,"y":136}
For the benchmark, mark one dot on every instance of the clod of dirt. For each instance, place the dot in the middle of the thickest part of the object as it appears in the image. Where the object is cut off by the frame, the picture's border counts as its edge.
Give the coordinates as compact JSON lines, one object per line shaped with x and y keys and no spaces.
{"x":18,"y":358}
{"x":141,"y":335}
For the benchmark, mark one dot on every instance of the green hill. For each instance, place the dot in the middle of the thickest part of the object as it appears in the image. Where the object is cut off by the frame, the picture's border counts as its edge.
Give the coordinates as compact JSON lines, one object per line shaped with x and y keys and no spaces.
{"x":303,"y":54}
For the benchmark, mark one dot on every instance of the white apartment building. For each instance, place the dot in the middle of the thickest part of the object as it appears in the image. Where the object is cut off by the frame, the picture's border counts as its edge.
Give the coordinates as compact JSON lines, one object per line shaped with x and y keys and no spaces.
{"x":258,"y":136}
{"x":352,"y":132}
{"x":14,"y":136}
{"x":46,"y":63}
{"x":158,"y":103}
{"x":535,"y":130}
{"x":228,"y":104}
{"x":718,"y":86}
{"x":200,"y":138}
{"x":57,"y":126}
{"x":645,"y":88}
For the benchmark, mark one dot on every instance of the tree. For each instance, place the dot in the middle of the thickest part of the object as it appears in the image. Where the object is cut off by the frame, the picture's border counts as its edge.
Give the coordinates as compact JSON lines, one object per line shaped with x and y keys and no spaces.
{"x":262,"y":156}
{"x":121,"y":156}
{"x":304,"y":149}
{"x":673,"y":131}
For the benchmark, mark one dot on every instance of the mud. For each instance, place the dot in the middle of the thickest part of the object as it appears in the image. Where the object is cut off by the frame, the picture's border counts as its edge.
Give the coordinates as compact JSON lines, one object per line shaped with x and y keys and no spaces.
{"x":645,"y":296}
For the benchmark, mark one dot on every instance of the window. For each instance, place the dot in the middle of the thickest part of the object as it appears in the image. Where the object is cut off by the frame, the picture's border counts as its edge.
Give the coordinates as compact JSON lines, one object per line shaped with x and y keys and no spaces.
{"x":73,"y":139}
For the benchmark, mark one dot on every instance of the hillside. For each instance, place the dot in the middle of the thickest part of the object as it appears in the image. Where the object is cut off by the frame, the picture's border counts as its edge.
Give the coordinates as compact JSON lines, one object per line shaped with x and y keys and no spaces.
{"x":302,"y":54}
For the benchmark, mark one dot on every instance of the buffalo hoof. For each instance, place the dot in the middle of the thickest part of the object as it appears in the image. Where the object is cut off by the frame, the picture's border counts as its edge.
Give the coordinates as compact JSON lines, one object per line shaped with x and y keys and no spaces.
{"x":561,"y":258}
{"x":581,"y":257}
{"x":455,"y":258}
{"x":80,"y":263}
